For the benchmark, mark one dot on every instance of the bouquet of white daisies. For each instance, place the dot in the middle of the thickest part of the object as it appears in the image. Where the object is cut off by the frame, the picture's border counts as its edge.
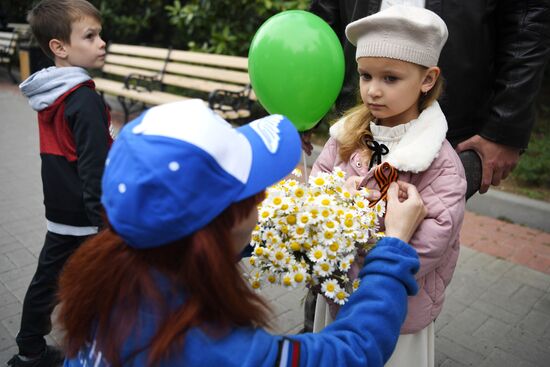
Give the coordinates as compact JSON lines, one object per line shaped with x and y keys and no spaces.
{"x":311,"y":234}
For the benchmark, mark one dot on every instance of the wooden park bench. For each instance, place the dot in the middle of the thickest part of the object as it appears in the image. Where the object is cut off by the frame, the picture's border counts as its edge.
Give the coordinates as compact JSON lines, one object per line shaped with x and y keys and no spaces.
{"x":141,"y":76}
{"x":8,"y":44}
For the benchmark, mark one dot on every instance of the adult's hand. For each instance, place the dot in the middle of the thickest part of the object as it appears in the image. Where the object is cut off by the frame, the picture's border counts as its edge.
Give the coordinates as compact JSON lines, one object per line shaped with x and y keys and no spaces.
{"x":353,"y":184}
{"x":405,"y":210}
{"x":305,"y":137}
{"x":497,"y":160}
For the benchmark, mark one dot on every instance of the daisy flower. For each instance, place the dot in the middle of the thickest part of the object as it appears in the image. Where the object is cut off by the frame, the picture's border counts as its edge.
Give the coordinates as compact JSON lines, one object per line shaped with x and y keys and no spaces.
{"x":329,"y":288}
{"x":341,"y":296}
{"x":317,"y":253}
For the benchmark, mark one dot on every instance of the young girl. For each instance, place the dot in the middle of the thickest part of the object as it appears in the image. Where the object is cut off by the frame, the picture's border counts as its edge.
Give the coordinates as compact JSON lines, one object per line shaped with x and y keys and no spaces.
{"x":401,"y":123}
{"x":162,"y":287}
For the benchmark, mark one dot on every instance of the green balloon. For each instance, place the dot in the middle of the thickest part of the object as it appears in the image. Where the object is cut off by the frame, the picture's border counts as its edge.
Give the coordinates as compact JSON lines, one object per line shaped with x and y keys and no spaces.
{"x":296,"y":67}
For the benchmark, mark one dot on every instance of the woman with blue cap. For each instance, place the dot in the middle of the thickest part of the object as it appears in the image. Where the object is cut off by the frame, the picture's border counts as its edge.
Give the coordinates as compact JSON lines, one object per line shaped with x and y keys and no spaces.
{"x":161,"y":286}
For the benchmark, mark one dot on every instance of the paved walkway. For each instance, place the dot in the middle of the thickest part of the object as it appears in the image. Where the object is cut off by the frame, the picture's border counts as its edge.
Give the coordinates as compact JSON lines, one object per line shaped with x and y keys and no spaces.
{"x":497,"y":311}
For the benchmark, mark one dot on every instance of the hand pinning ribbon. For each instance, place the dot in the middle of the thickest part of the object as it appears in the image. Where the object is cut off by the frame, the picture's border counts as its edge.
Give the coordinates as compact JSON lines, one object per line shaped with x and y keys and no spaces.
{"x":384,"y":180}
{"x":378,"y":150}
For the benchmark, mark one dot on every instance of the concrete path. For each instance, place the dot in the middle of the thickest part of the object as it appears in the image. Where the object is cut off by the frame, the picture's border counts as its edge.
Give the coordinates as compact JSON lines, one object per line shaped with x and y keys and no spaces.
{"x":497,"y":311}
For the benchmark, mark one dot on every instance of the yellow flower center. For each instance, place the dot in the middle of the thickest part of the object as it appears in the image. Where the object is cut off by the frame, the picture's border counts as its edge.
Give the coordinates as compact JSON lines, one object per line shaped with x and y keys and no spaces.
{"x":318,"y":254}
{"x":341,"y":295}
{"x":330,"y":224}
{"x":325,"y":201}
{"x":277,"y":201}
{"x":329,"y":235}
{"x":271,"y":279}
{"x":287,"y":281}
{"x":279,"y":255}
{"x":325,"y":266}
{"x":348,"y":223}
{"x":325,"y":213}
{"x":258,"y":251}
{"x":300,"y":230}
{"x":360,"y":204}
{"x":295,"y":246}
{"x":299,"y":193}
{"x":255,"y":284}
{"x":330,"y":287}
{"x":334,"y":247}
{"x":265,"y":214}
{"x":319,"y":181}
{"x":298,"y":278}
{"x":291,"y":219}
{"x":304,"y":219}
{"x":284,"y":207}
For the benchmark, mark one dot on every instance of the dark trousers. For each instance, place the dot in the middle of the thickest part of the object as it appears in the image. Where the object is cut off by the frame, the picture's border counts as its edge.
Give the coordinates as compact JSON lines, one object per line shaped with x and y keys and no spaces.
{"x":40,"y":298}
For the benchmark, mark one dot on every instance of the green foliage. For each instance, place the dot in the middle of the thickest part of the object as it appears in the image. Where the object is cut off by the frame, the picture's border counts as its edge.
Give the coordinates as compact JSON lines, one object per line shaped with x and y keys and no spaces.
{"x":534,"y":165}
{"x":135,"y":22}
{"x":223,"y":26}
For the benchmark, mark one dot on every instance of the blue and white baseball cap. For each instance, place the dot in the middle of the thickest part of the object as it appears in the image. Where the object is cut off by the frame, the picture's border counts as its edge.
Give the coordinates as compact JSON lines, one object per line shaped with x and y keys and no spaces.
{"x":176,"y":167}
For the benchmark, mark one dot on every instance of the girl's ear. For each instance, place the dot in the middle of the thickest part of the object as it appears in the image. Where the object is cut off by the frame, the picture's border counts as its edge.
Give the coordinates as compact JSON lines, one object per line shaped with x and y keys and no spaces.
{"x":58,"y":48}
{"x":430,"y":78}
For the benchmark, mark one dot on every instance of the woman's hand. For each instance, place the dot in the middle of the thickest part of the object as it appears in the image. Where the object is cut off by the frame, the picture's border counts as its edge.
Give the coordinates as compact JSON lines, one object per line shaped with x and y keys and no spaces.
{"x":405,"y":211}
{"x":353,"y":183}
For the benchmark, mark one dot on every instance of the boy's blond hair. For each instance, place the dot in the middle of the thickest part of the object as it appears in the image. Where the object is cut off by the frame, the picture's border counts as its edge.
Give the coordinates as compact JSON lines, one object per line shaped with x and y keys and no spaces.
{"x":357,"y":123}
{"x":53,"y":19}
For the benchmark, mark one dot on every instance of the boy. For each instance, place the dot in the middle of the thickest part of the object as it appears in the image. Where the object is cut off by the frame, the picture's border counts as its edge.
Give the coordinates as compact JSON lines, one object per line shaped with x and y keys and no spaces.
{"x":74,"y":140}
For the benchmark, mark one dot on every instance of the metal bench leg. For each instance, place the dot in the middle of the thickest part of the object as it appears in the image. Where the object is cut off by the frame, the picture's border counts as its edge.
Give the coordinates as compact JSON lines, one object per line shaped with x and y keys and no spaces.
{"x":125,"y":107}
{"x":12,"y":77}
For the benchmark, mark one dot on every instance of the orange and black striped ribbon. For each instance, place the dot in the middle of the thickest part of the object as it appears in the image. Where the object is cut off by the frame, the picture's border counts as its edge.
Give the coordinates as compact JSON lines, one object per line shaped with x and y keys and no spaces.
{"x":384,"y":180}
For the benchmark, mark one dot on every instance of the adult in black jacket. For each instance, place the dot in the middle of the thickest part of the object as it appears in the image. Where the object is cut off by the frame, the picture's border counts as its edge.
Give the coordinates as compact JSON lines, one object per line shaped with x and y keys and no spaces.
{"x":493,"y":63}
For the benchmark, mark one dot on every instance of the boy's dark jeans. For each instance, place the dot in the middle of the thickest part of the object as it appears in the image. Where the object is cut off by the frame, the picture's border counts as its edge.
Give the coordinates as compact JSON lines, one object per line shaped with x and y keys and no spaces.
{"x":40,"y":298}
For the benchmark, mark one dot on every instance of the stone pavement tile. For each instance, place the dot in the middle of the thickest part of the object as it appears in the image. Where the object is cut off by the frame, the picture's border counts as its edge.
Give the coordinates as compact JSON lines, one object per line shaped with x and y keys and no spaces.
{"x":288,"y":322}
{"x":5,"y":263}
{"x":497,"y":312}
{"x":525,"y":346}
{"x":462,"y":329}
{"x":10,"y":310}
{"x":457,"y":352}
{"x":6,"y":339}
{"x":6,"y":298}
{"x":504,"y":302}
{"x":12,"y":324}
{"x":21,"y":257}
{"x":501,"y":358}
{"x":450,"y":363}
{"x":530,"y":277}
{"x":18,"y":277}
{"x":451,"y":307}
{"x":536,"y":322}
{"x":7,"y":352}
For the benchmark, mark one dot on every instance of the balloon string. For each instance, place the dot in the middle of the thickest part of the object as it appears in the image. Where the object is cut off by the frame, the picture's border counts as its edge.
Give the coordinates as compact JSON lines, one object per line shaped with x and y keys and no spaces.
{"x":305,"y":166}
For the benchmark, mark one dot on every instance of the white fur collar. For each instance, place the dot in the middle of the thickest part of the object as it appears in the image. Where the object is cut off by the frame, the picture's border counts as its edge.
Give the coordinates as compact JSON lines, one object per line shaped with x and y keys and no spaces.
{"x":420,"y":144}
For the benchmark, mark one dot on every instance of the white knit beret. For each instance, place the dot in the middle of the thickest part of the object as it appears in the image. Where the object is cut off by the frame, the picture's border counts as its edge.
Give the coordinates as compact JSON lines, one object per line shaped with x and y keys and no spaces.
{"x":400,"y":32}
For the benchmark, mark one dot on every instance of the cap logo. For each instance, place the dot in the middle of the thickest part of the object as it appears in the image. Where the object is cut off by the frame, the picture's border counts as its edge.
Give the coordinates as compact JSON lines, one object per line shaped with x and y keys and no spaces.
{"x":268,"y":130}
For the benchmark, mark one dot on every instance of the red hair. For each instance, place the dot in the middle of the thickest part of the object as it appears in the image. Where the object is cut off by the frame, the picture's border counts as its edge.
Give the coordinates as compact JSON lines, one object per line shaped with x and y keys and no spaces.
{"x":105,"y":282}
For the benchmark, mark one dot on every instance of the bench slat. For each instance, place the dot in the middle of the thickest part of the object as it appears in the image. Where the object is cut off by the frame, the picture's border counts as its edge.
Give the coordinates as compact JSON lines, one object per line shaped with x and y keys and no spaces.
{"x":236,"y":62}
{"x":151,"y":52}
{"x":208,"y":73}
{"x":153,"y":98}
{"x":202,"y":85}
{"x":125,"y":71}
{"x":134,"y":61}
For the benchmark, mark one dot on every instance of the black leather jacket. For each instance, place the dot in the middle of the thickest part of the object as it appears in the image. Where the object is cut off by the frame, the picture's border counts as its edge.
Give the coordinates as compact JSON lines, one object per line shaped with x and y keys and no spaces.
{"x":493,"y":62}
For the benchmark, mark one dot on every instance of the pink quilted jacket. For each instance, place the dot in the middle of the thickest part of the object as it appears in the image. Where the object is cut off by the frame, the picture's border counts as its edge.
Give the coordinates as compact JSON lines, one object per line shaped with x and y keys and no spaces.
{"x":424,"y":158}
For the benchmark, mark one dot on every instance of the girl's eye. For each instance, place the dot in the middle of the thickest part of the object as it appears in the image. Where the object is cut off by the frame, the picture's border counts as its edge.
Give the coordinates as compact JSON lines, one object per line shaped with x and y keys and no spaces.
{"x":365,"y":76}
{"x":390,"y":79}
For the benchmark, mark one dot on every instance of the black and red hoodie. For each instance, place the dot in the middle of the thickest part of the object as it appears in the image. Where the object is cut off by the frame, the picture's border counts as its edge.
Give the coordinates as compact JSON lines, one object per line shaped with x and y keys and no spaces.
{"x":74,"y":134}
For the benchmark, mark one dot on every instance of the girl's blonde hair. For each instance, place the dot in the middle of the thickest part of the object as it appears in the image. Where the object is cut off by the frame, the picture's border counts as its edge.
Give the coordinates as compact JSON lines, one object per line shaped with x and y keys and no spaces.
{"x":358,"y":118}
